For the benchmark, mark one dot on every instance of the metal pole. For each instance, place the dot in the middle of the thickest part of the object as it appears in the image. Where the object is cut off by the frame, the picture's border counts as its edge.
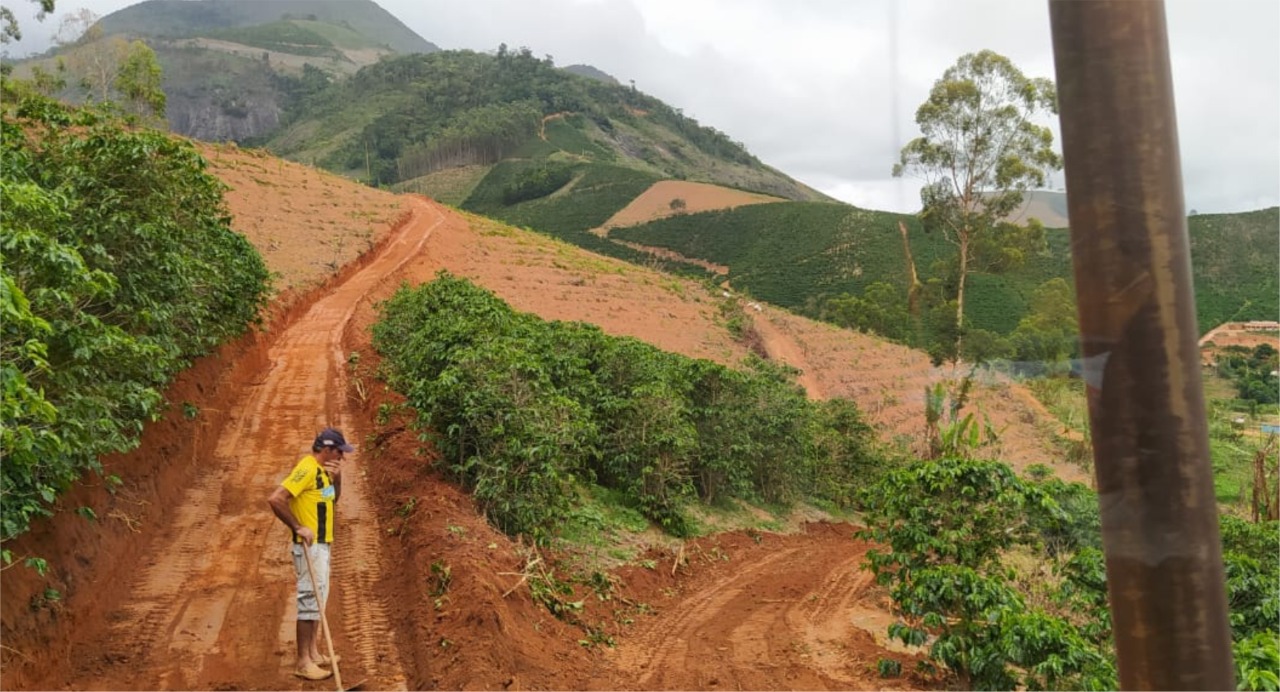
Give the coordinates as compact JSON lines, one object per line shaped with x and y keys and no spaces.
{"x":1138,"y":335}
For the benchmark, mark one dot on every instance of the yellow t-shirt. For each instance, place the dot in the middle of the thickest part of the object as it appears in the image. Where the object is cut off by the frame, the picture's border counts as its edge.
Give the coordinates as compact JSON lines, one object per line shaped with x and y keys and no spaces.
{"x":312,"y":502}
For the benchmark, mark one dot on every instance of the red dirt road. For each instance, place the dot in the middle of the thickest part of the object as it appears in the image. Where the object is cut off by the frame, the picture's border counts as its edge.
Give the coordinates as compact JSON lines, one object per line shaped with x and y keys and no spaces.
{"x":211,"y":606}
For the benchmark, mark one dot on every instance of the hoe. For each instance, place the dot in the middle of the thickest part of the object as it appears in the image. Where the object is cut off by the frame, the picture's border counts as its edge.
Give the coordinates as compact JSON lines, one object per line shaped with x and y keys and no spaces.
{"x":324,"y":626}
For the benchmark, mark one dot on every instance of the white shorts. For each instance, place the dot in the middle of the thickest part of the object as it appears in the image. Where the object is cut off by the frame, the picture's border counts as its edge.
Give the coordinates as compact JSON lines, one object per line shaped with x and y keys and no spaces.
{"x":308,"y":606}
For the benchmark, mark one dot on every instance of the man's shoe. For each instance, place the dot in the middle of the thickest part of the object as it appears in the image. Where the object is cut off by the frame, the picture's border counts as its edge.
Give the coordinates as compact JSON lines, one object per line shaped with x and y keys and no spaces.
{"x":323,"y":660}
{"x":312,"y":672}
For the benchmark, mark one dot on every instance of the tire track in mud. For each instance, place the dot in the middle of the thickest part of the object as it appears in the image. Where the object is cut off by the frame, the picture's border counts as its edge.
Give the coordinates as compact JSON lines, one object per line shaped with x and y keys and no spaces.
{"x":650,"y":655}
{"x":784,"y":621}
{"x":827,"y":618}
{"x":212,"y":604}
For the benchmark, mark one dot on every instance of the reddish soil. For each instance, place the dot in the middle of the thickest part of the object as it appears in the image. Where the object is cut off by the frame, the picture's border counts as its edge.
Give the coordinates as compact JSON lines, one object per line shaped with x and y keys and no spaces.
{"x":1237,"y":334}
{"x":656,"y":202}
{"x":184,"y":583}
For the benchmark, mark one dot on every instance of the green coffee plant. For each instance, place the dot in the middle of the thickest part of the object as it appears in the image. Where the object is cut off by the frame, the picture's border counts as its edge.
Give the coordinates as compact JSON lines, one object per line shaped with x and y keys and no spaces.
{"x":1258,"y":662}
{"x":950,"y":511}
{"x":120,"y":268}
{"x":522,"y":409}
{"x":983,"y":630}
{"x":946,"y":524}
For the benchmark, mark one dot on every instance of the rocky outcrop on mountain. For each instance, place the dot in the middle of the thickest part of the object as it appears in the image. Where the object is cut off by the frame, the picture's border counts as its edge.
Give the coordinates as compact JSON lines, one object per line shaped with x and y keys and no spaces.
{"x":208,"y":118}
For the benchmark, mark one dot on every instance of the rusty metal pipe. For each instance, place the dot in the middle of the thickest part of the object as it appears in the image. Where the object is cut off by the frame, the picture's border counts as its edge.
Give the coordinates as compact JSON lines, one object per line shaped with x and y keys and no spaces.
{"x":1138,"y":335}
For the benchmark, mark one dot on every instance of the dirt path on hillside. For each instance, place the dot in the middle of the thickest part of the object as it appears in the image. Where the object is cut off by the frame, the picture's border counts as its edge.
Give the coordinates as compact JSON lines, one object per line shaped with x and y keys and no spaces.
{"x":798,"y":613}
{"x":210,"y":606}
{"x":784,"y":349}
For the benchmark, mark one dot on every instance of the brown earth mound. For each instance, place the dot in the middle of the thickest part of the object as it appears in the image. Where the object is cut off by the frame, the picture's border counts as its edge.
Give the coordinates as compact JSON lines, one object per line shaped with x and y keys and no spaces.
{"x":184,"y":583}
{"x":670,"y":197}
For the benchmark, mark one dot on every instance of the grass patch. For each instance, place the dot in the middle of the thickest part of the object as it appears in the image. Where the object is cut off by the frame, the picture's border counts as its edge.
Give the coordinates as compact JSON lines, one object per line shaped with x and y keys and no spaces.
{"x":1064,"y":398}
{"x":602,"y":516}
{"x":451,"y":186}
{"x":1231,"y":450}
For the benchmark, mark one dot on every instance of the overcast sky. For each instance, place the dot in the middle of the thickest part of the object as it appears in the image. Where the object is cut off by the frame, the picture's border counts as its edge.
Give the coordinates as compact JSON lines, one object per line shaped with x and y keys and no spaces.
{"x":826,"y":90}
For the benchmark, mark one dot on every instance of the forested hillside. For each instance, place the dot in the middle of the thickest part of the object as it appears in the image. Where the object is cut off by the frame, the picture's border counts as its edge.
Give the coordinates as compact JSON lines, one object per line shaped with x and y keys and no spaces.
{"x":410,"y":116}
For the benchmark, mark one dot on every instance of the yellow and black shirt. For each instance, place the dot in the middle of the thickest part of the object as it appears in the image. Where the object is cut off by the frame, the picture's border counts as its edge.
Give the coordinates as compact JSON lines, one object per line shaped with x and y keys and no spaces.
{"x":312,"y":501}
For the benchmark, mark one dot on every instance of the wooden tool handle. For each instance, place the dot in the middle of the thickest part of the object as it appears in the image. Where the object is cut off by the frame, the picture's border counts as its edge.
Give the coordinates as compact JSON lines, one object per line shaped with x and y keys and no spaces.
{"x":324,"y":621}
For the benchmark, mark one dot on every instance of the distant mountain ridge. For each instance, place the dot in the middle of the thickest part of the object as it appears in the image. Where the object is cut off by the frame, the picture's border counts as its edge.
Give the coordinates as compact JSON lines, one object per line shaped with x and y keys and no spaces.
{"x":235,"y":69}
{"x":539,"y":126}
{"x":591,"y":73}
{"x":187,"y":18}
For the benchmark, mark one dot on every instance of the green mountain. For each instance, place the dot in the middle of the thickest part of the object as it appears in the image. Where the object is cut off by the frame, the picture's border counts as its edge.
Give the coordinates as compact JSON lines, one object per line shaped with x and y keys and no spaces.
{"x":407,"y":118}
{"x":511,"y":137}
{"x":233,"y":69}
{"x":172,"y":19}
{"x":592,"y":72}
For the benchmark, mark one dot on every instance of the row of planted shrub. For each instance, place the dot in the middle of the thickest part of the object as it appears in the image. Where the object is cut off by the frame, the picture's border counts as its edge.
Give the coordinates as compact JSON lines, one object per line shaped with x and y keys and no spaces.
{"x":119,"y":267}
{"x":521,"y":409}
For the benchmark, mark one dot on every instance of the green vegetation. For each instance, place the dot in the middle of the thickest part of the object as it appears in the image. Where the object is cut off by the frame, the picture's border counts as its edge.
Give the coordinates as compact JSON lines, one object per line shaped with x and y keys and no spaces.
{"x":481,"y":135}
{"x":566,"y":201}
{"x":952,"y":435}
{"x":789,"y":253}
{"x":953,"y":529}
{"x":177,"y":18}
{"x":103,"y":69}
{"x":451,"y":186}
{"x":1231,"y":449}
{"x":599,"y":191}
{"x":568,"y":134}
{"x":1234,"y":264}
{"x":847,"y":266}
{"x":1253,"y":595}
{"x":408,"y":116}
{"x":523,"y":411}
{"x":1064,"y":397}
{"x":120,"y":268}
{"x":138,"y":83}
{"x":1252,"y":372}
{"x":947,"y":525}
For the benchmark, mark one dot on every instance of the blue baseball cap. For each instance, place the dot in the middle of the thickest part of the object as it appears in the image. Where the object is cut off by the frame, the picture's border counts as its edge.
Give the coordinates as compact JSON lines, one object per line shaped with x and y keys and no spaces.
{"x":331,"y":438}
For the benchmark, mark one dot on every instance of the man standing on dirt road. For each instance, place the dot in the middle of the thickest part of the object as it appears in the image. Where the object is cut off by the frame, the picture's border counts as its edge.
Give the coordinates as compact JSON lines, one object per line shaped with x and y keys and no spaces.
{"x":304,"y":502}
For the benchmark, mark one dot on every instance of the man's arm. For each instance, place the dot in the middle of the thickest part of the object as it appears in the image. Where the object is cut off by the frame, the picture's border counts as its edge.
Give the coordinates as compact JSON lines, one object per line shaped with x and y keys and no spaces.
{"x":279,"y":503}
